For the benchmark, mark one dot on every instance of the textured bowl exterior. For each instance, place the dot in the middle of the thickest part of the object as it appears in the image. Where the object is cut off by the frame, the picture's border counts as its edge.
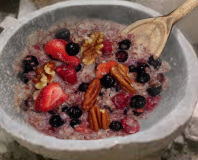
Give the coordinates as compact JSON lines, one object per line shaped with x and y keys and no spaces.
{"x":165,"y":123}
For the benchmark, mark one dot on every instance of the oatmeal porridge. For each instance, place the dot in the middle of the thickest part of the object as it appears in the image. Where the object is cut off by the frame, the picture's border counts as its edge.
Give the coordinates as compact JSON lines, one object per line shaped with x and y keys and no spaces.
{"x":82,"y":79}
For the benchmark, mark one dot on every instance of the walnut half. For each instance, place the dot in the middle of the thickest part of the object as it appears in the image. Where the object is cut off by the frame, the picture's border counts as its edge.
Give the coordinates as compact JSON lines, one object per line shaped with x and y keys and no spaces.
{"x":91,"y":48}
{"x":44,"y":75}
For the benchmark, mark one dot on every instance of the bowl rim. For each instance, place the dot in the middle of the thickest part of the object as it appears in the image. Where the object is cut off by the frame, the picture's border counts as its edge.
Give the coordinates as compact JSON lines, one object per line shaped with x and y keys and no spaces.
{"x":162,"y":127}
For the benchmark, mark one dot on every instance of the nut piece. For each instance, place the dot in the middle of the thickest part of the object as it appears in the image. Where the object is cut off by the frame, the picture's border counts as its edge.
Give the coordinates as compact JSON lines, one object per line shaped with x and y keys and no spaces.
{"x":91,"y":94}
{"x":44,"y":74}
{"x":98,"y":118}
{"x":120,"y":73}
{"x":91,"y":48}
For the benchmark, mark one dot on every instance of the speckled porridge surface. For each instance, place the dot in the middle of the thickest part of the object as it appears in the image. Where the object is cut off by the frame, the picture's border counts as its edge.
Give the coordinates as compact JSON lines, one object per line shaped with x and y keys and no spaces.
{"x":70,"y":120}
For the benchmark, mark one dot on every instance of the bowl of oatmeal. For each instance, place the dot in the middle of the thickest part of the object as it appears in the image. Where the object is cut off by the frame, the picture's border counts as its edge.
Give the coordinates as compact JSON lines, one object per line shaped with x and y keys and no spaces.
{"x":73,"y":86}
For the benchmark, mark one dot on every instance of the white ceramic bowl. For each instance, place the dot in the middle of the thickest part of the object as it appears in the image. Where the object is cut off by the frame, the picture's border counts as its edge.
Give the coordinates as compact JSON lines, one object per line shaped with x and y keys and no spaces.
{"x":165,"y":123}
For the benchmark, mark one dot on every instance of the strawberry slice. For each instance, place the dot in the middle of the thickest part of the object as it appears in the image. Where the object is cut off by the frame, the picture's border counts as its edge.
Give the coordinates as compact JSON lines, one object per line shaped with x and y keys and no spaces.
{"x":67,"y":73}
{"x":130,"y":125}
{"x":56,"y":48}
{"x":104,"y":68}
{"x":50,"y":97}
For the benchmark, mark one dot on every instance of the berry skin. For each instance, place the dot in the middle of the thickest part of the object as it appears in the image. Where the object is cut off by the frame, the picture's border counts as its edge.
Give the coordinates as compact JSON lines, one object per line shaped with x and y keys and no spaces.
{"x":78,"y":68}
{"x":56,"y":121}
{"x":154,"y":91}
{"x":29,"y":62}
{"x":124,"y":45}
{"x":107,"y":81}
{"x":121,"y":100}
{"x":50,"y":97}
{"x":67,"y":73}
{"x":22,"y":77}
{"x":121,"y":56}
{"x":72,"y":48}
{"x":107,"y":47}
{"x":56,"y":48}
{"x":143,"y":78}
{"x":74,"y":112}
{"x":130,"y":125}
{"x":83,"y":87}
{"x":74,"y":122}
{"x":63,"y":33}
{"x":132,"y":68}
{"x":155,"y":63}
{"x":116,"y":126}
{"x":137,"y":102}
{"x":104,"y":68}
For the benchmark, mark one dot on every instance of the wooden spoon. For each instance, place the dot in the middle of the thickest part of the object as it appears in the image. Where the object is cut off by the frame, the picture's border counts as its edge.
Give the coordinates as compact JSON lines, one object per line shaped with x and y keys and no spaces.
{"x":153,"y":33}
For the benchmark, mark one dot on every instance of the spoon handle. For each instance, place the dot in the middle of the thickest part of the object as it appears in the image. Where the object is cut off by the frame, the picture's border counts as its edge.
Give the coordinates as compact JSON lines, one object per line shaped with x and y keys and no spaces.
{"x":183,"y":10}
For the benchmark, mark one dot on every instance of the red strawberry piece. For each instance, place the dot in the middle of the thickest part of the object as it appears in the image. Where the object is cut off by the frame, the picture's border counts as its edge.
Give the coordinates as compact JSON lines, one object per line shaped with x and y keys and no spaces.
{"x":56,"y":48}
{"x":50,"y":97}
{"x":130,"y":125}
{"x":83,"y":128}
{"x":121,"y":100}
{"x":104,"y":68}
{"x":152,"y":102}
{"x":67,"y":73}
{"x":107,"y":47}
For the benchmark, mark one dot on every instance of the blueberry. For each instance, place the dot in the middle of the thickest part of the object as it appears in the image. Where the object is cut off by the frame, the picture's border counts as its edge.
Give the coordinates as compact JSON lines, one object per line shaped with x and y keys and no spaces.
{"x":132,"y":68}
{"x":65,"y":108}
{"x":56,"y":121}
{"x":107,"y":81}
{"x":116,"y":126}
{"x":141,"y":68}
{"x":137,"y":113}
{"x":22,"y":77}
{"x":63,"y":33}
{"x":154,"y":91}
{"x":78,"y":68}
{"x":74,"y":112}
{"x":143,"y":78}
{"x":83,"y":87}
{"x":124,"y":45}
{"x":74,"y":122}
{"x":121,"y":56}
{"x":137,"y":102}
{"x":29,"y":62}
{"x":72,"y":48}
{"x":155,"y":63}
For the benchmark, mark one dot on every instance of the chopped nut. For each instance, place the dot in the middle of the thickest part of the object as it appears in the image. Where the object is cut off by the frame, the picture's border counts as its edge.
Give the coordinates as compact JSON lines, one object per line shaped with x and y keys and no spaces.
{"x":120,"y":73}
{"x":98,"y":118}
{"x":91,"y":48}
{"x":91,"y":94}
{"x":44,"y":75}
{"x":42,"y":83}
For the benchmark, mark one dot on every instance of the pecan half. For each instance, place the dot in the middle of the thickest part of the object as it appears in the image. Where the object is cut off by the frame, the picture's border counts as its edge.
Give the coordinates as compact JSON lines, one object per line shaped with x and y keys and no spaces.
{"x":91,"y":48}
{"x":98,"y":118}
{"x":90,"y":98}
{"x":120,"y":73}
